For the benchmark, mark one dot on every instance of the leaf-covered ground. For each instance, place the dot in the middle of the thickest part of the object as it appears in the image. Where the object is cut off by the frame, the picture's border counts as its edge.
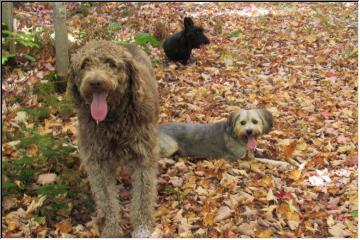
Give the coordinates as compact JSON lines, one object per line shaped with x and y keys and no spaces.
{"x":299,"y":60}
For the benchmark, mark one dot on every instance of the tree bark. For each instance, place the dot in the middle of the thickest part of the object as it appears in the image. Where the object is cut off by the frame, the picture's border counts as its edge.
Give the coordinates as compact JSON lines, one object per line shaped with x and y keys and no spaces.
{"x":61,"y":40}
{"x":7,"y":17}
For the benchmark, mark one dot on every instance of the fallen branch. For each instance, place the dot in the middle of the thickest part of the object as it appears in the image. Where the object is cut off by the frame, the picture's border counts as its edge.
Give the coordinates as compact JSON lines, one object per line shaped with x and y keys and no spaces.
{"x":273,"y":162}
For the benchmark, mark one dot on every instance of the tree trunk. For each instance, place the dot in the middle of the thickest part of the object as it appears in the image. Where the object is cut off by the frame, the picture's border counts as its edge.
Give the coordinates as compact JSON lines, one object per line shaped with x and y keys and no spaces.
{"x":7,"y":17}
{"x":61,"y":40}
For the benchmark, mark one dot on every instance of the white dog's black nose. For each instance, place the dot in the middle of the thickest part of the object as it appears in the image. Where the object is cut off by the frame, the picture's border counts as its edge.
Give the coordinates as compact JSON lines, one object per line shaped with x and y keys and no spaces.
{"x":249,"y":132}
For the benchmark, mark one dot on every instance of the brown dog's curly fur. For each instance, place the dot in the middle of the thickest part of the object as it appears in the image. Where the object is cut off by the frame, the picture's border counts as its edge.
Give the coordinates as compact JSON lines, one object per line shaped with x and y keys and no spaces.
{"x":126,"y":137}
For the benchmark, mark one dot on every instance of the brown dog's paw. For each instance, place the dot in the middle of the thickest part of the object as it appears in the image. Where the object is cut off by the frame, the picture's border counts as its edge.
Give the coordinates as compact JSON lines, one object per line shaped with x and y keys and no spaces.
{"x":142,"y":232}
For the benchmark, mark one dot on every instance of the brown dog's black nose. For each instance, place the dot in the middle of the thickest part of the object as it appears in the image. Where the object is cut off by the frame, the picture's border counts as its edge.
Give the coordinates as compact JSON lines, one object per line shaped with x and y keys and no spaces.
{"x":95,"y":83}
{"x":248,"y":132}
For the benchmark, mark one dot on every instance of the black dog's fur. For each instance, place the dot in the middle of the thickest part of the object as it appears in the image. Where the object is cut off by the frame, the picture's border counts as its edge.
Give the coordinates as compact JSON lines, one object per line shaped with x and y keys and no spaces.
{"x":178,"y":46}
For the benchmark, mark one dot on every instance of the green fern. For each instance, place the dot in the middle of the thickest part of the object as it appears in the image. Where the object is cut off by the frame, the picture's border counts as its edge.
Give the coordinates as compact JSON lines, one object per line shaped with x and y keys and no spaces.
{"x":142,"y":39}
{"x":52,"y":190}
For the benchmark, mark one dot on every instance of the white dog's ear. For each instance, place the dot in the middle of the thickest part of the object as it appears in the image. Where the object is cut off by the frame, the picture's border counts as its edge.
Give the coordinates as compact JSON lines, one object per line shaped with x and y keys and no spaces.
{"x":267,"y":119}
{"x":234,"y":116}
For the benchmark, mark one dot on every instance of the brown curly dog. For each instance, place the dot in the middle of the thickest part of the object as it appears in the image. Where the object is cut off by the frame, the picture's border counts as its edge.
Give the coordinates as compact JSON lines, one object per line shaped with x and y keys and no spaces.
{"x":115,"y":94}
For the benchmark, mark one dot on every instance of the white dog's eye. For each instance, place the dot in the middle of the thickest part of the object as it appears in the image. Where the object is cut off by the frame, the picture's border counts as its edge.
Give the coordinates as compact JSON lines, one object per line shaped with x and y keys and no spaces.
{"x":254,"y":121}
{"x":243,"y":122}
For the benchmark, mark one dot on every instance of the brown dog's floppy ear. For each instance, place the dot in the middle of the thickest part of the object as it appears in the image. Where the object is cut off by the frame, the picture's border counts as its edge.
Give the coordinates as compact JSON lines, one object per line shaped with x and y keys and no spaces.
{"x":267,"y":119}
{"x":72,"y":90}
{"x":143,"y":92}
{"x":136,"y":81}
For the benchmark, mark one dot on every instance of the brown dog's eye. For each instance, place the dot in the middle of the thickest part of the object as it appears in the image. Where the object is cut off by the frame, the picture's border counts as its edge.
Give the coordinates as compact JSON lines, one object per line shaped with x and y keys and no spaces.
{"x":243,"y":122}
{"x":254,"y":121}
{"x":85,"y":63}
{"x":110,"y":62}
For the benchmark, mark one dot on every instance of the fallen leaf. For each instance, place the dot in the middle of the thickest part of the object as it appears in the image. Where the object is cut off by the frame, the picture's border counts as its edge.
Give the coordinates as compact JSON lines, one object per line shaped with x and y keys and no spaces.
{"x":176,"y":181}
{"x":209,"y":219}
{"x":301,"y":145}
{"x":228,"y":180}
{"x":14,"y":218}
{"x":342,"y":139}
{"x":63,"y":226}
{"x":249,"y":212}
{"x":316,"y":181}
{"x":293,"y":224}
{"x":32,"y":150}
{"x":8,"y":203}
{"x":339,"y":231}
{"x":289,"y":149}
{"x":224,"y":212}
{"x":311,"y":38}
{"x":46,"y":178}
{"x":263,"y":234}
{"x":346,"y":148}
{"x":295,"y":174}
{"x":35,"y":204}
{"x":330,"y":221}
{"x":230,"y":234}
{"x":246,"y":229}
{"x":201,"y":191}
{"x":326,"y":114}
{"x":21,"y":117}
{"x":270,"y":196}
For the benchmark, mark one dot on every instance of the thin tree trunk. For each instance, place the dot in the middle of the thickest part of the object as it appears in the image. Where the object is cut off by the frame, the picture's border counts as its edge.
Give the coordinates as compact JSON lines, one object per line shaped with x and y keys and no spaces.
{"x":61,"y":40}
{"x":7,"y":17}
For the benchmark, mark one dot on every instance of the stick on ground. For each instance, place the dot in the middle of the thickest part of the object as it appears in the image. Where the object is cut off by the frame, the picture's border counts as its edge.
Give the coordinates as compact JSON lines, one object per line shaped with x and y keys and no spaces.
{"x":273,"y":162}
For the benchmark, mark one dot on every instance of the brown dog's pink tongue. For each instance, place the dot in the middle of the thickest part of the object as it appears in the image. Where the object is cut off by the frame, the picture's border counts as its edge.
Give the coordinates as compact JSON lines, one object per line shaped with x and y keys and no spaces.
{"x":251,"y":143}
{"x":99,"y":108}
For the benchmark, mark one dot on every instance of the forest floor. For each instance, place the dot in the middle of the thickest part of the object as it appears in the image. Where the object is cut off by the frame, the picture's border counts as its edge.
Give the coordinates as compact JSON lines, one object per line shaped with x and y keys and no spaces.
{"x":299,"y":60}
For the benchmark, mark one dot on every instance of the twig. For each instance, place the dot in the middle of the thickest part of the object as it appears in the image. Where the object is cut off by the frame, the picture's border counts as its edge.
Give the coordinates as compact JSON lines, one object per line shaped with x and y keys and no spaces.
{"x":273,"y":162}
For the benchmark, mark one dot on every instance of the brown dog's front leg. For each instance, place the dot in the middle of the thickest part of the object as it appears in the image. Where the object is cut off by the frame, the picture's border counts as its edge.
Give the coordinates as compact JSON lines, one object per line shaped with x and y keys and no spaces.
{"x":144,"y":194}
{"x":103,"y":185}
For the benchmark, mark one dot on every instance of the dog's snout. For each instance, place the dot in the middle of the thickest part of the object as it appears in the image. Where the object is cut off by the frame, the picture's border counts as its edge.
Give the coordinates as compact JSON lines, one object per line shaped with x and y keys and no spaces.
{"x":95,"y":83}
{"x":249,"y":132}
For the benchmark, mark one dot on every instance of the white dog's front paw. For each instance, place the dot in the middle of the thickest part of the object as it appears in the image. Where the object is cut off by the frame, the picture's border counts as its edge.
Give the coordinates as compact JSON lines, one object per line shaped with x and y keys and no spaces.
{"x":142,"y":232}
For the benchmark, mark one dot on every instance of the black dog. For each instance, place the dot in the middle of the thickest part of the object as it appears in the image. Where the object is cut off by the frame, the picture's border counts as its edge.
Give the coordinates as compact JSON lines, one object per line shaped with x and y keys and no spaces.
{"x":178,"y":46}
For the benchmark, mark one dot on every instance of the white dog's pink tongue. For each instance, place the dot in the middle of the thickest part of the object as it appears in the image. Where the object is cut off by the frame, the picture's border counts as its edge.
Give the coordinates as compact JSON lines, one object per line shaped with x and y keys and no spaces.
{"x":251,"y":143}
{"x":99,"y":108}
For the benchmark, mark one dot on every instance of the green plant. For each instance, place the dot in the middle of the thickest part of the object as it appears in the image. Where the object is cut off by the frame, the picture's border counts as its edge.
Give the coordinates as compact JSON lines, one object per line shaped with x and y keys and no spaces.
{"x":9,"y":187}
{"x":65,"y":108}
{"x":83,"y":8}
{"x":59,"y":83}
{"x":50,"y":146}
{"x":124,"y":42}
{"x":37,"y":113}
{"x":80,"y":35}
{"x":114,"y":26}
{"x":142,"y":39}
{"x":24,"y":39}
{"x":45,"y":91}
{"x":19,"y":169}
{"x":6,"y":56}
{"x":235,"y":34}
{"x":52,"y":190}
{"x":127,"y":12}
